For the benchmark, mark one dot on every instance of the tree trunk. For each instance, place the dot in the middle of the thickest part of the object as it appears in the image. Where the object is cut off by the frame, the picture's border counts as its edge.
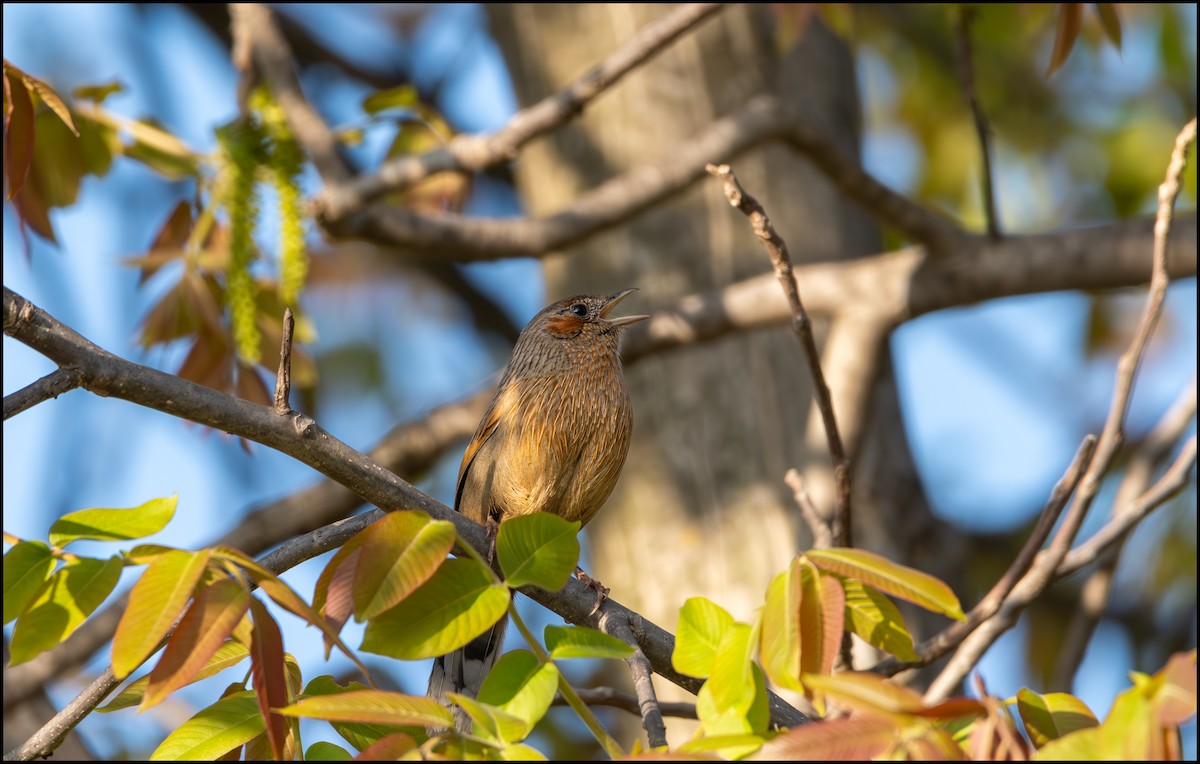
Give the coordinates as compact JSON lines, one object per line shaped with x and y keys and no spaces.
{"x":702,"y":508}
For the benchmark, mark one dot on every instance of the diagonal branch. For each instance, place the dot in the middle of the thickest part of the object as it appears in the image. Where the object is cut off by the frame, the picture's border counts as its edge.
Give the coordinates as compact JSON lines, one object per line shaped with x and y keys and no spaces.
{"x":473,"y":153}
{"x":54,"y":384}
{"x":107,"y":375}
{"x":1045,"y":569}
{"x":802,"y":325}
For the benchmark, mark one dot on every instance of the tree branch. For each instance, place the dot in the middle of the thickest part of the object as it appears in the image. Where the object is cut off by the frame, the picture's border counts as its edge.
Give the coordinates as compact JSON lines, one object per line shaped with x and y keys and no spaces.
{"x":1094,"y":594}
{"x":802,"y":326}
{"x":54,"y":384}
{"x":1045,"y":568}
{"x":108,"y":375}
{"x":647,"y":702}
{"x":607,"y":696}
{"x":952,"y":636}
{"x":473,"y":153}
{"x":966,"y":79}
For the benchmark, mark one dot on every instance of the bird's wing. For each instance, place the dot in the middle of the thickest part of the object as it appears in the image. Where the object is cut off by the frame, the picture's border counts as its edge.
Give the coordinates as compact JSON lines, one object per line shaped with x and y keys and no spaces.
{"x":501,"y":404}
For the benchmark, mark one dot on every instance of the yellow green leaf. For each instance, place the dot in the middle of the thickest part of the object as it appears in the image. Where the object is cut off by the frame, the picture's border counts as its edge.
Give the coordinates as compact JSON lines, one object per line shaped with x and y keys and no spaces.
{"x":522,"y":686}
{"x":67,"y":599}
{"x":154,"y":602}
{"x":876,"y":619}
{"x":225,"y":725}
{"x":114,"y":524}
{"x":702,"y":626}
{"x":779,"y":644}
{"x":1050,"y":716}
{"x":27,"y":567}
{"x":889,"y":577}
{"x":582,"y":642}
{"x":401,"y":551}
{"x":373,"y":707}
{"x":458,"y":603}
{"x":539,"y":548}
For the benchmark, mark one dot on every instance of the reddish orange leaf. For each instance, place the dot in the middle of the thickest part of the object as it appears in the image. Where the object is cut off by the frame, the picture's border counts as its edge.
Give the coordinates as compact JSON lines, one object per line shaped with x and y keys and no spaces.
{"x":169,"y":241}
{"x":1111,"y":21}
{"x":270,"y":682}
{"x":217,"y":609}
{"x":857,"y":738}
{"x":154,"y":602}
{"x":287,"y":599}
{"x":388,"y":748}
{"x":18,"y":133}
{"x":1070,"y":18}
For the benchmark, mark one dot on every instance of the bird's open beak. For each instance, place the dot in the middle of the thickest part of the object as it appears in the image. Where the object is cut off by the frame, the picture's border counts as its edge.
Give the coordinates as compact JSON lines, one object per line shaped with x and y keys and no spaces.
{"x":611,"y":303}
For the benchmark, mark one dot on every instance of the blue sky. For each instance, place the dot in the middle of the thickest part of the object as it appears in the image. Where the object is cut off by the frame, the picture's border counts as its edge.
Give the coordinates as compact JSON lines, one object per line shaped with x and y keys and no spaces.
{"x":996,"y":397}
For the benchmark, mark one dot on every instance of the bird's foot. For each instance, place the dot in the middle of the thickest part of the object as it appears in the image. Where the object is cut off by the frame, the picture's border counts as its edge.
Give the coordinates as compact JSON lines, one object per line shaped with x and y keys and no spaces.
{"x":600,"y":589}
{"x":492,"y":526}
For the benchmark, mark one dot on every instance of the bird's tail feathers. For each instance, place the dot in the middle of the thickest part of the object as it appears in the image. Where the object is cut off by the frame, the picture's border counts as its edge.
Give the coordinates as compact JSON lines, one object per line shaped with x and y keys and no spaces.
{"x":463,"y":671}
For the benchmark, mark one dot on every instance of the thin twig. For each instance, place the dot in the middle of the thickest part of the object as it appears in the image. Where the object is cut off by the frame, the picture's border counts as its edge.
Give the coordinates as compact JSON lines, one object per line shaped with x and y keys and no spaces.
{"x":953,"y":635}
{"x":472,"y":153}
{"x":1047,"y":566}
{"x":1096,"y":590}
{"x":607,"y":696}
{"x":283,"y":377}
{"x":966,"y":78}
{"x":618,"y":626}
{"x":54,"y":384}
{"x":802,"y":325}
{"x":822,"y":535}
{"x":1174,"y":480}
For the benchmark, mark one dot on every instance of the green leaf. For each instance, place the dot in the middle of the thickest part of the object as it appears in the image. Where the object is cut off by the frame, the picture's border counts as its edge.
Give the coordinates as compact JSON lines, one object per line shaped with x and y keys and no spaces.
{"x":875,"y":618}
{"x":519,"y":685}
{"x":154,"y":602}
{"x":490,"y":722}
{"x":457,"y":604}
{"x":730,"y":682}
{"x":373,"y":707}
{"x":733,"y":732}
{"x":114,"y":524}
{"x":1050,"y":716}
{"x":868,"y":692}
{"x":890,"y":577}
{"x":582,"y":642}
{"x":361,"y":736}
{"x":228,"y":654}
{"x":214,"y":614}
{"x":540,"y":548}
{"x":97,"y":93}
{"x":779,"y":643}
{"x":402,"y":97}
{"x":401,"y":551}
{"x":323,"y":751}
{"x":702,"y":626}
{"x":68,"y":598}
{"x":26,"y":567}
{"x":230,"y":722}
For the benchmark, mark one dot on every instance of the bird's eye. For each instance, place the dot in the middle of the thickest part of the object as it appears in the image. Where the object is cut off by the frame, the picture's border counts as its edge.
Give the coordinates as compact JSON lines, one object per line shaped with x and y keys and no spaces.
{"x":579,"y":309}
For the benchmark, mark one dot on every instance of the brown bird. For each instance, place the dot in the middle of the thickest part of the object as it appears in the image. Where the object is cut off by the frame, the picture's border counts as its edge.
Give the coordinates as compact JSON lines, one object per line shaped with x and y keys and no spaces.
{"x":553,"y":440}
